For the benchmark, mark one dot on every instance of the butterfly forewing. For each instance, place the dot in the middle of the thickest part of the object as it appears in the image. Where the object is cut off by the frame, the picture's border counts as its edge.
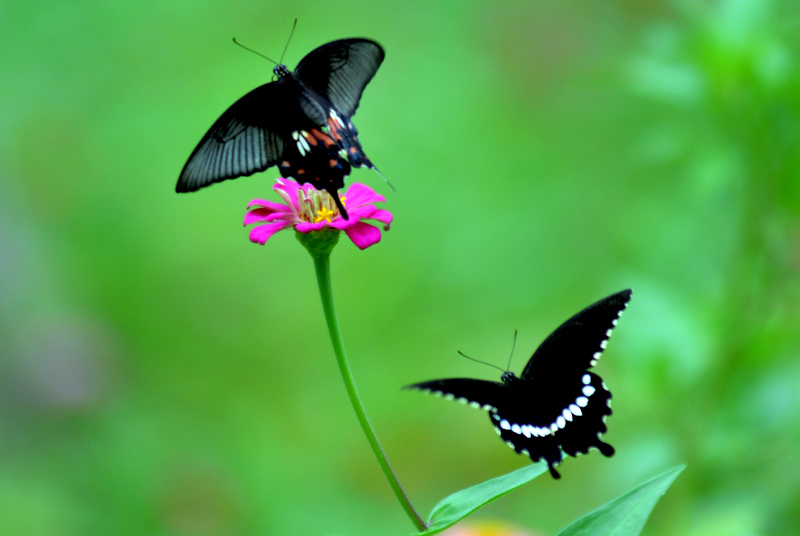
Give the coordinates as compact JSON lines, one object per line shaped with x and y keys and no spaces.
{"x":480,"y":394}
{"x":340,"y":70}
{"x":578,"y":343}
{"x":247,"y":138}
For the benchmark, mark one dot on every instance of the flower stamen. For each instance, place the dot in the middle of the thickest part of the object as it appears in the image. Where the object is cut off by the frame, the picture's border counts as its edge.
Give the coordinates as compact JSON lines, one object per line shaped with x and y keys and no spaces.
{"x":324,"y":214}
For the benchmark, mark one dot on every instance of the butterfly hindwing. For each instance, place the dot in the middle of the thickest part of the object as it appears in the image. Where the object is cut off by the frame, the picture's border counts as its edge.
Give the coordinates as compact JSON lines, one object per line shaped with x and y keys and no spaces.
{"x":578,"y":343}
{"x":584,"y":418}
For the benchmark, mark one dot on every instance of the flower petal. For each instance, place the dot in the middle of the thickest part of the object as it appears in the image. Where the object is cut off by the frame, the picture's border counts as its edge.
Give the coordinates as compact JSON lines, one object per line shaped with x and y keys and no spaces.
{"x":276,"y":207}
{"x":307,"y":227}
{"x":264,"y":214}
{"x":261,"y":233}
{"x":360,"y":194}
{"x":287,"y":189}
{"x":383,"y":216}
{"x":363,"y":234}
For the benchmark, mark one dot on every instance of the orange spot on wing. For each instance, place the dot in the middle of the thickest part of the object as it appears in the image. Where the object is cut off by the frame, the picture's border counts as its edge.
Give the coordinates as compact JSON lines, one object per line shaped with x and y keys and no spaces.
{"x":324,"y":138}
{"x":334,"y":128}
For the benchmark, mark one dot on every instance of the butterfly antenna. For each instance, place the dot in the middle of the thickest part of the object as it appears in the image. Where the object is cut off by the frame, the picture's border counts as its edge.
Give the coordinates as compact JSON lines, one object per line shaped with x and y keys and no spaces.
{"x":254,"y":52}
{"x":290,"y":38}
{"x":479,"y":361}
{"x":513,"y":345}
{"x":384,"y":178}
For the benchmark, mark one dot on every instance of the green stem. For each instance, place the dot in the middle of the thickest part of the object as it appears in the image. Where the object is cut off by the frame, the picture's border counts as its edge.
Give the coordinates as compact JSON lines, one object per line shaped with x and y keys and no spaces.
{"x":322,"y":266}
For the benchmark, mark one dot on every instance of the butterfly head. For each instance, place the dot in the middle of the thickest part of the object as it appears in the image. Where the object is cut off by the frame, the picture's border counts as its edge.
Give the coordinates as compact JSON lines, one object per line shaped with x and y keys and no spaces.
{"x":280,"y":70}
{"x":508,"y":377}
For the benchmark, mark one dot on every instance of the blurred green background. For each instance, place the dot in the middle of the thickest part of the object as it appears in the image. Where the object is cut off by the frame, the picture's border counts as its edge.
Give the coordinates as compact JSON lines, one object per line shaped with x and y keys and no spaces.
{"x":161,"y":375}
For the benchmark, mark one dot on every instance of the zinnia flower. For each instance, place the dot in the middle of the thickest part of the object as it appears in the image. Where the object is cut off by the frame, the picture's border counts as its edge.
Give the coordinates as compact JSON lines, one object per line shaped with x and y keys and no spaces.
{"x":308,"y":209}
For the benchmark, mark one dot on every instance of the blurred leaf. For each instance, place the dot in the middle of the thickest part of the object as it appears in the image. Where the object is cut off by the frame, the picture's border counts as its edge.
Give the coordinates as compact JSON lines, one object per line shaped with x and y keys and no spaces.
{"x":462,"y":503}
{"x":625,"y":515}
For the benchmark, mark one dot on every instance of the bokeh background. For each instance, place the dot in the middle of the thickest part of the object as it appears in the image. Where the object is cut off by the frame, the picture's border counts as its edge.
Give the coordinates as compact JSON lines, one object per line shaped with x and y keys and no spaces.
{"x":161,"y":375}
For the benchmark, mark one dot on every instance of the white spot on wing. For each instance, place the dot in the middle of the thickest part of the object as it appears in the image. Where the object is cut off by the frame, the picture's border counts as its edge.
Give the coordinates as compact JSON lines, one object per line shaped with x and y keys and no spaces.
{"x":575,"y":410}
{"x":560,"y":422}
{"x":588,"y":390}
{"x":505,"y":425}
{"x":516,"y":429}
{"x":582,"y":401}
{"x":567,"y":415}
{"x":586,"y":379}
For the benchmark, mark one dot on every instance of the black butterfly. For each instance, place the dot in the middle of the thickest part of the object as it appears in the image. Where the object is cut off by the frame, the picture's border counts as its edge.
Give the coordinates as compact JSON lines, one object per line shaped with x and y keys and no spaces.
{"x":555,"y":404}
{"x":301,"y":122}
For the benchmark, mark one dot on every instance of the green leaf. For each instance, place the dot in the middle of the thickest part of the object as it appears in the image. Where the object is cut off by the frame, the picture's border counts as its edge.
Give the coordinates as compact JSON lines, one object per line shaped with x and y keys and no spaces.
{"x":625,"y":515}
{"x":462,"y":503}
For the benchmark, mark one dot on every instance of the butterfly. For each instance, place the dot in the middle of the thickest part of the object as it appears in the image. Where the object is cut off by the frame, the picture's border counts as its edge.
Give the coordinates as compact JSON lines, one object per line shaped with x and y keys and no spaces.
{"x":556,"y":404}
{"x":299,"y":122}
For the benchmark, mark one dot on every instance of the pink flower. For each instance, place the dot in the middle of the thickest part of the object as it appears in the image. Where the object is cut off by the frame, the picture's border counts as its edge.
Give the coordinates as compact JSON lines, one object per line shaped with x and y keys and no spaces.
{"x":308,"y":209}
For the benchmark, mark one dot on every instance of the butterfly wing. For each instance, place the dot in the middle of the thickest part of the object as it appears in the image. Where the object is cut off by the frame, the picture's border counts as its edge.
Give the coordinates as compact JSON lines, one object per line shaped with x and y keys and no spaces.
{"x":249,"y":137}
{"x":543,"y":418}
{"x":479,"y":394}
{"x":340,"y":70}
{"x":578,"y":343}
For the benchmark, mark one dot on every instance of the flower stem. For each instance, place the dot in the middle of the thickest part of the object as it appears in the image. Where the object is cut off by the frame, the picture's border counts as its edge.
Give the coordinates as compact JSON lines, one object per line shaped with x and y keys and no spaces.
{"x":322,"y":266}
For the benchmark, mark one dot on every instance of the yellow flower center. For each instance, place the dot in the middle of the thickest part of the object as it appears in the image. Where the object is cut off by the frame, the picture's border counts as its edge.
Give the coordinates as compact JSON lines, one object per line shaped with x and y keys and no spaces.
{"x":318,"y":206}
{"x":324,"y":214}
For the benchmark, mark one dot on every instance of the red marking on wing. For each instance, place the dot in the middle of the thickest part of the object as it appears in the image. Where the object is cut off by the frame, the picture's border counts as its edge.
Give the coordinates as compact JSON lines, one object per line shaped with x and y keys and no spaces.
{"x":324,"y":138}
{"x":334,"y":125}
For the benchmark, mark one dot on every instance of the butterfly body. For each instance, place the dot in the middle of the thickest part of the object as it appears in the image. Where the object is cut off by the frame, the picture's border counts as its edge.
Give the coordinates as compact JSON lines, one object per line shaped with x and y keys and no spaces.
{"x":556,"y":405}
{"x":299,"y":122}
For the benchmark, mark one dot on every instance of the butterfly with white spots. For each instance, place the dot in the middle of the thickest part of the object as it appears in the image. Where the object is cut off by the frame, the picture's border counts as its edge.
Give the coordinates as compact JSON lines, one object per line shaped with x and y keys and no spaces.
{"x":556,"y":405}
